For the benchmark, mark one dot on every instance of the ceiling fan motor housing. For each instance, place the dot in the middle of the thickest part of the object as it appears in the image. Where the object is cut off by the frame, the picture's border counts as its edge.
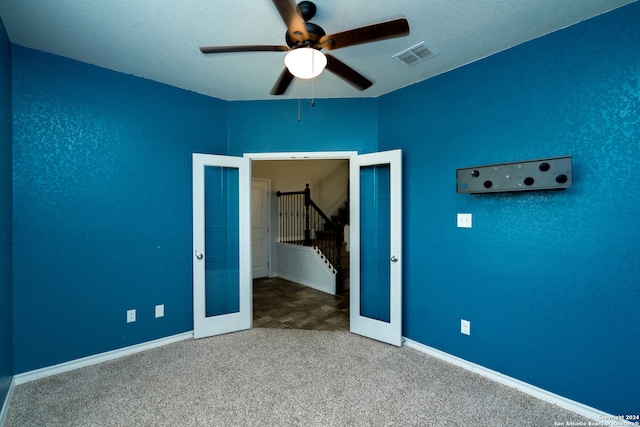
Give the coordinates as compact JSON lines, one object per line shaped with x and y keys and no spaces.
{"x":315,"y":33}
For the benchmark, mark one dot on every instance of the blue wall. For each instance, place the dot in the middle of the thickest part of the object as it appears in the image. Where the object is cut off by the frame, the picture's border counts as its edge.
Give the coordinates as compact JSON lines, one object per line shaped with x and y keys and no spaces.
{"x":549,"y":280}
{"x":102,"y":206}
{"x":6,"y":200}
{"x":331,"y":125}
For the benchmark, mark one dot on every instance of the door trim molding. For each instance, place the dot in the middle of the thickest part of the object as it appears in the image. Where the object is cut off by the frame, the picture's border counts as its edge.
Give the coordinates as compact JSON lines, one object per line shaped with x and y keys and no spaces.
{"x":318,"y":155}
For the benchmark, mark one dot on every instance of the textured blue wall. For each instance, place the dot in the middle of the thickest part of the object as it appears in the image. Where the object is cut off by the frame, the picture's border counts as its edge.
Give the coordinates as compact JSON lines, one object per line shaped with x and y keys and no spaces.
{"x":549,"y":280}
{"x":6,"y":201}
{"x":102,"y":206}
{"x":331,"y":125}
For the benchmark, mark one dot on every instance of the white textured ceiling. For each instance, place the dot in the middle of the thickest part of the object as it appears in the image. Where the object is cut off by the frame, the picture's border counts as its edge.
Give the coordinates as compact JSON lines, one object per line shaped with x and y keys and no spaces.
{"x":159,"y":39}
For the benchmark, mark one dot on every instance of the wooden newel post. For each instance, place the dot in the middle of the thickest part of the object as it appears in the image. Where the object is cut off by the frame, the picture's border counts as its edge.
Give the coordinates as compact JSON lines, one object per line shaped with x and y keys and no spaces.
{"x":307,"y":203}
{"x":339,"y":243}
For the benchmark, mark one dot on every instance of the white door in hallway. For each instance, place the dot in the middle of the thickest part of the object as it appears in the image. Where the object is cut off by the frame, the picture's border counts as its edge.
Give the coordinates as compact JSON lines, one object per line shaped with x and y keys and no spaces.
{"x":376,"y":246}
{"x":221,"y":254}
{"x":260,"y":227}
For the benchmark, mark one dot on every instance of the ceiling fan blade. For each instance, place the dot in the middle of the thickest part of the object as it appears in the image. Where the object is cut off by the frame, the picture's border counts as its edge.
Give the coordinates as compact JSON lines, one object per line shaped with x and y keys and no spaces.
{"x":247,"y":48}
{"x":370,"y":33}
{"x":296,"y":26}
{"x":283,"y":82}
{"x":347,"y":73}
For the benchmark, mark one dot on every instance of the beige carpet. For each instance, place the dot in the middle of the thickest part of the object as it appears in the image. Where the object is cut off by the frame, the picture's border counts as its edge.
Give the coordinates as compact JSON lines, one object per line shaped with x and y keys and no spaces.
{"x":274,"y":377}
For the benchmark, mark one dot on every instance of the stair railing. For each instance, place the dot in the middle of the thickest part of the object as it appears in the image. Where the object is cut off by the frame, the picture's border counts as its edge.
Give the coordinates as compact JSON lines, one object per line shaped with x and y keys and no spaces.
{"x":302,"y":222}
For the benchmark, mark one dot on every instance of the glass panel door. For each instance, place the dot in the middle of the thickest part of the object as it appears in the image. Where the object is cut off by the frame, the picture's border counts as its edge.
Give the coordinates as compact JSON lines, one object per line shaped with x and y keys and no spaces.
{"x":221,"y":255}
{"x":375,"y":211}
{"x":376,"y":244}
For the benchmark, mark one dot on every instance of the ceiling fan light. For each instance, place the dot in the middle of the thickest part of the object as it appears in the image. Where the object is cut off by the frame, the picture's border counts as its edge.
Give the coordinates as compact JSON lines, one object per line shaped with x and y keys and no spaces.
{"x":305,"y":63}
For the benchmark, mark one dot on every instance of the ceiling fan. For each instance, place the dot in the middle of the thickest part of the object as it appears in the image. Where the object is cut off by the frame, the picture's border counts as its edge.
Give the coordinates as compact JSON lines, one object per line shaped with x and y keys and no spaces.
{"x":305,"y":40}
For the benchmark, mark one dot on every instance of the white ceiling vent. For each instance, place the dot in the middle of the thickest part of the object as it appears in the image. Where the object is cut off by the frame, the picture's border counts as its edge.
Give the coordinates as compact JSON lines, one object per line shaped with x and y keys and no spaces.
{"x":415,"y":54}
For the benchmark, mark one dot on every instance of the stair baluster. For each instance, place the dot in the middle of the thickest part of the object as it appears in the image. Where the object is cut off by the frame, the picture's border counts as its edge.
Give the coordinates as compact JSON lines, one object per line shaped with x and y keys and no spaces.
{"x":328,"y":233}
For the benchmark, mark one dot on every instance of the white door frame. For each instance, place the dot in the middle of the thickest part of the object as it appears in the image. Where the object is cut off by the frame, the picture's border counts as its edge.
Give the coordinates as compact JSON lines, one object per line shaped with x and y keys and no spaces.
{"x":319,"y":155}
{"x":388,"y":332}
{"x":295,"y":155}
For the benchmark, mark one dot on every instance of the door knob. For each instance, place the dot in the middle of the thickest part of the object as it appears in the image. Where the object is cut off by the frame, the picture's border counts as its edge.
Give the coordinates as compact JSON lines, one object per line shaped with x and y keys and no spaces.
{"x":199,"y":256}
{"x":394,"y":259}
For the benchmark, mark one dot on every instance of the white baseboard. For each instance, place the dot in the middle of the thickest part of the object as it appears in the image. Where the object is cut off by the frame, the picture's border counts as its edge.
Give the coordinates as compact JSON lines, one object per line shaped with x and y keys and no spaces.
{"x":5,"y":405}
{"x":601,"y":417}
{"x":97,"y":358}
{"x":316,"y":286}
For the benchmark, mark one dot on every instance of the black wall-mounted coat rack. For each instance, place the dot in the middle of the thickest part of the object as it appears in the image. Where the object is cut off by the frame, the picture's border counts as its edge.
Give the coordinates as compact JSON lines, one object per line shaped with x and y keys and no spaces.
{"x":530,"y":175}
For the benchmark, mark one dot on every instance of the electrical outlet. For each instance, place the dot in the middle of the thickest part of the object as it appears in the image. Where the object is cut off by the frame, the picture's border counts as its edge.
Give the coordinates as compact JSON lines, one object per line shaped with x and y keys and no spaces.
{"x":159,"y":310}
{"x":465,"y":327}
{"x":464,"y":220}
{"x":131,"y":315}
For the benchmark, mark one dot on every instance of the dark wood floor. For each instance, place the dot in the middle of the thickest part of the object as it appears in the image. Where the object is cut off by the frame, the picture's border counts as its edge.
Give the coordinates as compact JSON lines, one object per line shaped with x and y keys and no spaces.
{"x":281,"y":304}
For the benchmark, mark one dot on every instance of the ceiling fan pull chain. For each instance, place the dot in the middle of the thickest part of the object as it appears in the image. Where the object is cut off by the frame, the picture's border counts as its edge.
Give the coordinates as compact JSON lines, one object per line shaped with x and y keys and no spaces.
{"x":313,"y":80}
{"x":298,"y":102}
{"x":313,"y":90}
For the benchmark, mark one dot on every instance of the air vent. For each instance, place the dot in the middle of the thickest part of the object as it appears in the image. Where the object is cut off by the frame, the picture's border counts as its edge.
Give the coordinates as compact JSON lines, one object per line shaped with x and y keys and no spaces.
{"x":415,"y":54}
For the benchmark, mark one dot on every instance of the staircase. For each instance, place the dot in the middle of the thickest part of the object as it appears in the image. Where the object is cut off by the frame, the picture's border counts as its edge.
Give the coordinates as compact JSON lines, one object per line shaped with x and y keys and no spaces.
{"x":338,"y":223}
{"x":302,"y":222}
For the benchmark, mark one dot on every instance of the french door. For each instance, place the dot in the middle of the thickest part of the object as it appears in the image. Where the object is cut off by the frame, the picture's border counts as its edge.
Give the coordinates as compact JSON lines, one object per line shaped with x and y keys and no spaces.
{"x":222,"y":286}
{"x":376,"y":246}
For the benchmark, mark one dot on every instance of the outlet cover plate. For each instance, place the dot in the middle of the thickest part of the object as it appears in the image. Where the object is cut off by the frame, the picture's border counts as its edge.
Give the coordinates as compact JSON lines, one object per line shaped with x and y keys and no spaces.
{"x":464,"y":220}
{"x":159,"y":310}
{"x":465,"y":327}
{"x":131,"y":315}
